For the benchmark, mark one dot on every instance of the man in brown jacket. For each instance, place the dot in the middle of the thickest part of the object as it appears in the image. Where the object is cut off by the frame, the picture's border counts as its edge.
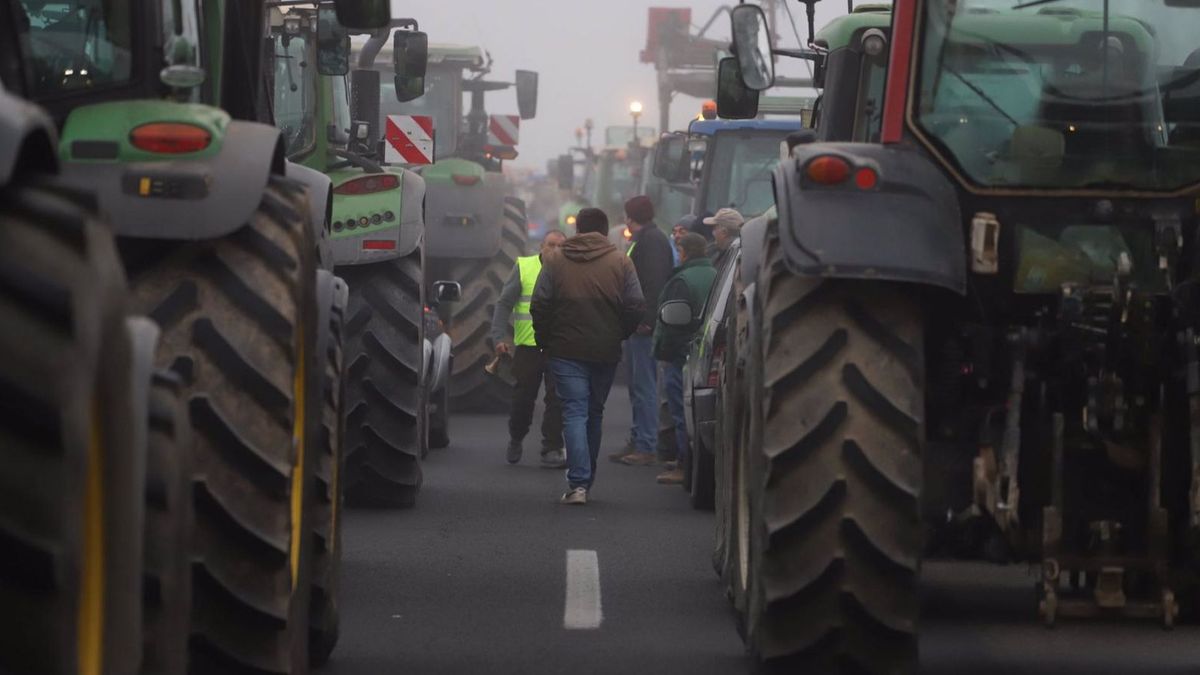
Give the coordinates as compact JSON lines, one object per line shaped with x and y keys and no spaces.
{"x":586,"y":301}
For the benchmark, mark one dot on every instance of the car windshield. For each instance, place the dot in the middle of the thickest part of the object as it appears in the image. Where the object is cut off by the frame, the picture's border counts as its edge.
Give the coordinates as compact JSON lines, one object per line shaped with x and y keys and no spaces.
{"x":1100,"y":94}
{"x":77,"y":45}
{"x":295,"y":95}
{"x":442,"y":101}
{"x":738,"y":173}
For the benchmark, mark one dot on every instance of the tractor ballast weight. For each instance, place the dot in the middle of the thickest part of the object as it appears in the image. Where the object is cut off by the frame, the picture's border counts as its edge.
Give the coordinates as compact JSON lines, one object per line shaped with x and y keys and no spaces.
{"x":463,"y":219}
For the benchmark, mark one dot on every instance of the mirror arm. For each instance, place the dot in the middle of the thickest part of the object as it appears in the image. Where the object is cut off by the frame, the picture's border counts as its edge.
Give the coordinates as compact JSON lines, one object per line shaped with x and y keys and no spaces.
{"x":357,"y":160}
{"x":806,"y":54}
{"x":378,"y":39}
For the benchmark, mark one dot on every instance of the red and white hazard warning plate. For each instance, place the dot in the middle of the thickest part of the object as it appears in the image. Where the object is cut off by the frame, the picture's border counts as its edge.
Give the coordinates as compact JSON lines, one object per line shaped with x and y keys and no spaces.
{"x":409,"y":139}
{"x":504,"y":130}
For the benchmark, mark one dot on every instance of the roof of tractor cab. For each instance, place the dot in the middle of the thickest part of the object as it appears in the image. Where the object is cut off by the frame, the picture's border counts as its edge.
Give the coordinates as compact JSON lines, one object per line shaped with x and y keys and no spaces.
{"x":837,"y":33}
{"x":1063,"y":26}
{"x":469,"y":57}
{"x":710,"y":127}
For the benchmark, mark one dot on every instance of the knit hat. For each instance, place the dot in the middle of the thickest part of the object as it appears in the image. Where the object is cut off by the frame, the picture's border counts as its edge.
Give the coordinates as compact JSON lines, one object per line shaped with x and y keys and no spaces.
{"x":640,"y":210}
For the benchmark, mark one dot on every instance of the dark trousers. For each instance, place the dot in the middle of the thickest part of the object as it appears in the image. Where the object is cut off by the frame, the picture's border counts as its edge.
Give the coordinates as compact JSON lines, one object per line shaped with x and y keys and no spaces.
{"x":529,"y":369}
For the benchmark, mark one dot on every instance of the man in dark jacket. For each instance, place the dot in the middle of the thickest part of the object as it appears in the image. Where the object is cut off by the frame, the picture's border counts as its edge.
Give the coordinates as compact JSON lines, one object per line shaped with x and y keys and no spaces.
{"x":586,"y":301}
{"x":692,"y":281}
{"x":650,"y":252}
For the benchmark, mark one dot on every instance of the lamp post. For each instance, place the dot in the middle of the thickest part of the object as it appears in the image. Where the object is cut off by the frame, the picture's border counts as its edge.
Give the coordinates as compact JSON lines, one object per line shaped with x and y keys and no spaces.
{"x":635,"y":110}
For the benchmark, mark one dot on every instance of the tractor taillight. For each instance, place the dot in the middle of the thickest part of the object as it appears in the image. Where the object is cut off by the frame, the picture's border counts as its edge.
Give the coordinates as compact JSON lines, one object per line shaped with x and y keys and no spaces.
{"x":866,"y":178}
{"x":379,"y":245}
{"x":170,"y":138}
{"x":714,"y":374}
{"x":465,"y":180}
{"x":828,"y":170}
{"x":368,"y":185}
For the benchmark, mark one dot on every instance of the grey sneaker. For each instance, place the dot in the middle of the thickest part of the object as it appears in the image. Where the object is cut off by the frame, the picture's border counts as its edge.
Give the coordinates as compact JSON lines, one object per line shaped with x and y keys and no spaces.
{"x":554,"y":459}
{"x":514,"y":452}
{"x":574,"y":496}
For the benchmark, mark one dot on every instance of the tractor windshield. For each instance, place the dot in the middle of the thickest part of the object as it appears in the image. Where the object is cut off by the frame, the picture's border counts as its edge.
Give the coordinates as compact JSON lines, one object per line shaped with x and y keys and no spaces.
{"x":738,"y":171}
{"x":80,"y":45}
{"x":1083,"y":94}
{"x":295,"y":92}
{"x":442,"y":101}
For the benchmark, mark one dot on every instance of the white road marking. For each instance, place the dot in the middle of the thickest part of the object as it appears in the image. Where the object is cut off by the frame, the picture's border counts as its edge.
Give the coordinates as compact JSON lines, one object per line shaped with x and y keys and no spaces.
{"x":582,"y":610}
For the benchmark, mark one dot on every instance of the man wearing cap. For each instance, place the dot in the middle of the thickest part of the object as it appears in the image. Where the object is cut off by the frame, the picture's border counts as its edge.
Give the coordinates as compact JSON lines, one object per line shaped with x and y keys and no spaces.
{"x":650,"y":253}
{"x":726,"y":227}
{"x":528,"y":362}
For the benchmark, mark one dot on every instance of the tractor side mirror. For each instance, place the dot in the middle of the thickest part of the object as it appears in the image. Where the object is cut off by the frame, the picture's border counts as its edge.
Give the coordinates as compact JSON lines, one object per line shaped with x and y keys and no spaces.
{"x":752,"y":44}
{"x":410,"y":58}
{"x":735,"y":101}
{"x":675,"y":313}
{"x":671,"y":158}
{"x":447,"y":291}
{"x":564,"y":171}
{"x":527,"y":93}
{"x":363,"y":14}
{"x":333,"y":44}
{"x":364,"y":103}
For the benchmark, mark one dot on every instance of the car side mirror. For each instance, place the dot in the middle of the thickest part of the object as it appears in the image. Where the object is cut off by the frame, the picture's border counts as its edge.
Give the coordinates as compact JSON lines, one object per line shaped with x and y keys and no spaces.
{"x":735,"y":101}
{"x":410,"y":58}
{"x":333,"y":44}
{"x":527,"y":94}
{"x":675,"y":313}
{"x":363,"y":14}
{"x":671,"y":158}
{"x":447,"y":291}
{"x":752,"y":45}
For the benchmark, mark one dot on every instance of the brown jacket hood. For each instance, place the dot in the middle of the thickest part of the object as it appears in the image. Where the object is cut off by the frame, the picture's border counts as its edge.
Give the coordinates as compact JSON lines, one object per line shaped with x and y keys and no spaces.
{"x":587,"y":247}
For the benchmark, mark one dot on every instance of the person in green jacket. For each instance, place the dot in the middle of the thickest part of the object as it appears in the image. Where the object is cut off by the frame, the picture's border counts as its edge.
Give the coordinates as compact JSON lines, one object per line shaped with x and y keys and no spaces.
{"x":691,"y":281}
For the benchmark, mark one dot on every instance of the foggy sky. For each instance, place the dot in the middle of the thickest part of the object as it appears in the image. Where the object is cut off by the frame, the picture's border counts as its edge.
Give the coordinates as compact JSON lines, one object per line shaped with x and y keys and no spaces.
{"x":586,"y":52}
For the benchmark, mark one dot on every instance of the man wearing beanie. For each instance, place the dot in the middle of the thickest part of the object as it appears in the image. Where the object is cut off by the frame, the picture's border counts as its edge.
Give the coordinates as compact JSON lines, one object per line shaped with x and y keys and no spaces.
{"x":585,"y":302}
{"x":650,"y":252}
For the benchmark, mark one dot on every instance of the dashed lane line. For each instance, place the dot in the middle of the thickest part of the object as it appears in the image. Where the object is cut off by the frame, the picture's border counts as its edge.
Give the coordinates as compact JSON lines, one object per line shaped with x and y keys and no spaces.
{"x":582,"y":610}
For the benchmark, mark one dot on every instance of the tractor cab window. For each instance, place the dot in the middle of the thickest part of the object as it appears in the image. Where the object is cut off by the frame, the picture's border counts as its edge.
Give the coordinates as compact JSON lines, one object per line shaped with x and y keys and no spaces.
{"x":868,"y":117}
{"x":740,"y":164}
{"x":341,"y":109}
{"x":442,"y":101}
{"x":1062,"y":94}
{"x":295,"y":91}
{"x":76,"y":46}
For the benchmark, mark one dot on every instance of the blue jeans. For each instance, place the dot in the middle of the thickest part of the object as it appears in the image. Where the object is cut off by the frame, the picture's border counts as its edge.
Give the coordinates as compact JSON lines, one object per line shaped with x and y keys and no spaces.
{"x":582,"y":388}
{"x":643,"y":392}
{"x":673,"y":385}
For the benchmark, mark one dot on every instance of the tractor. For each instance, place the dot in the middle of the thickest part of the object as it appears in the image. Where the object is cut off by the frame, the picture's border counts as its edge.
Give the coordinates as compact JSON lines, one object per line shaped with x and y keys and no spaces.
{"x":160,"y":111}
{"x":967,"y":328}
{"x":475,"y":229}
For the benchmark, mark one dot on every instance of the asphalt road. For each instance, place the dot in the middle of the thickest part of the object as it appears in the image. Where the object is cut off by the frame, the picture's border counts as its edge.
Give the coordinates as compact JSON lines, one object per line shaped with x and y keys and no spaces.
{"x":475,"y":579}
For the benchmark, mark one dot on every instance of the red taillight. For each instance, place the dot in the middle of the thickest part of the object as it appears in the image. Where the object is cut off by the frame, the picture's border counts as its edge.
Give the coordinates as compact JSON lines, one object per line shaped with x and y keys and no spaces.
{"x":379,"y":245}
{"x":714,"y":375}
{"x":465,"y":180}
{"x":828,"y":170}
{"x":368,"y":185}
{"x":170,"y":138}
{"x":866,"y":178}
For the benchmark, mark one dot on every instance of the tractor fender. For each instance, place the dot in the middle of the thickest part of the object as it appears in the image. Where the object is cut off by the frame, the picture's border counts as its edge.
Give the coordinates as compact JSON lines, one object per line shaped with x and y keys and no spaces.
{"x":320,"y":204}
{"x":907,"y":227}
{"x":408,"y":235}
{"x":754,"y":234}
{"x":27,"y":139}
{"x":439,"y":370}
{"x":205,"y":199}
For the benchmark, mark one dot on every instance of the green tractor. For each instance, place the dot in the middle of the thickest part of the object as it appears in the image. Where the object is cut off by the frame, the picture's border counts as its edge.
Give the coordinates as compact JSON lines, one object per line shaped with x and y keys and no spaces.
{"x":160,"y":107}
{"x":475,"y":229}
{"x":968,"y":327}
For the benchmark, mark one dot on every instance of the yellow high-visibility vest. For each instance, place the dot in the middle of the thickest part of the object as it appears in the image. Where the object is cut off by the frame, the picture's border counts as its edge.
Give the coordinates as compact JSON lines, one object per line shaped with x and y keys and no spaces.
{"x":530,"y":267}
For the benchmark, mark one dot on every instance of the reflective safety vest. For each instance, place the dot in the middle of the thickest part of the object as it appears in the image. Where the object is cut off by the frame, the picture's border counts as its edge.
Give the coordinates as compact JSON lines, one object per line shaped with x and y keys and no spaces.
{"x":530,"y":267}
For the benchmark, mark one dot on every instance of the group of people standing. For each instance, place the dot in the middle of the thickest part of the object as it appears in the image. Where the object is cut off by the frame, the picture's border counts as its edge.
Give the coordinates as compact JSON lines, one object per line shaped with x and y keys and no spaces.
{"x":574,"y":306}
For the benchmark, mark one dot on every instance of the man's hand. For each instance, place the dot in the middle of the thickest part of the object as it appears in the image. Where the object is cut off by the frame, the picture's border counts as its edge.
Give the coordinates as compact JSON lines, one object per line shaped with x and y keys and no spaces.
{"x":645,"y":329}
{"x":503,"y":348}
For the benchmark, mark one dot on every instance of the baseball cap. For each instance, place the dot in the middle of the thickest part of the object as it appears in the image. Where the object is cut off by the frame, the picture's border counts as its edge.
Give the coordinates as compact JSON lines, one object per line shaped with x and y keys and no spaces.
{"x":727,"y":218}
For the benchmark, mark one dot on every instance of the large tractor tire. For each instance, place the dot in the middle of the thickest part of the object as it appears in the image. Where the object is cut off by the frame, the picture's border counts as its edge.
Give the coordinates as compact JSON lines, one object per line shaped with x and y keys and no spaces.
{"x":327,"y":507}
{"x":385,"y":402}
{"x":72,"y":456}
{"x":470,"y":387}
{"x":167,"y":578}
{"x":833,"y":553}
{"x":238,"y":320}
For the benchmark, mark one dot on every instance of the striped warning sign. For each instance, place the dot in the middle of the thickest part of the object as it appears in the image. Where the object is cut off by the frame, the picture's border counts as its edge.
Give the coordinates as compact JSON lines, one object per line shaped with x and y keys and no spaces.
{"x":409,"y":139}
{"x":504,"y":130}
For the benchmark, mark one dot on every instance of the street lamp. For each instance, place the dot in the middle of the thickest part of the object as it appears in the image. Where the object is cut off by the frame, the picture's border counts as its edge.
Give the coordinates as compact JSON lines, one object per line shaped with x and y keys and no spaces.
{"x":635,"y":110}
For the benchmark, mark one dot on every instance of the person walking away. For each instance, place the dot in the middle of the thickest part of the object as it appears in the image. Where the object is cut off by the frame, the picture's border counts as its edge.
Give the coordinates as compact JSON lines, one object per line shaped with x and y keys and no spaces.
{"x":692,"y":281}
{"x":529,"y":363}
{"x":650,"y":253}
{"x":586,"y":301}
{"x":726,"y":227}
